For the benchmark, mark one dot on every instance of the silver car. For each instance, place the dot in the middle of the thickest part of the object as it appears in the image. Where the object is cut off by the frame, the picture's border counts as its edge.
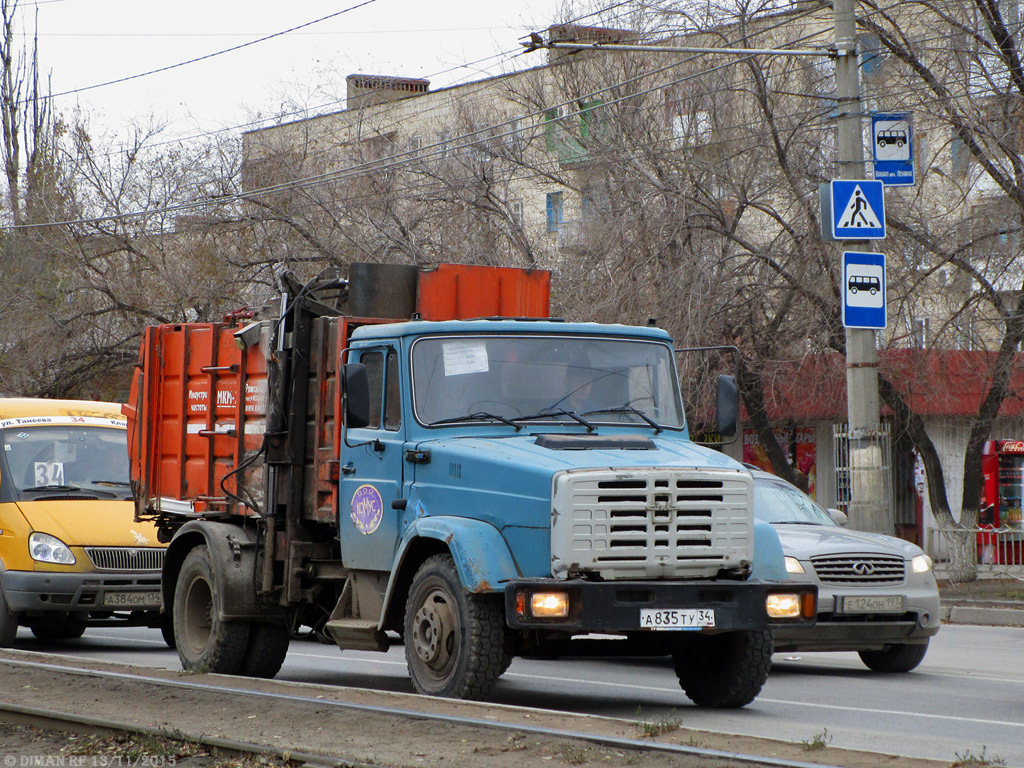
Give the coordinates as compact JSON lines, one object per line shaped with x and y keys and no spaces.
{"x":876,"y":594}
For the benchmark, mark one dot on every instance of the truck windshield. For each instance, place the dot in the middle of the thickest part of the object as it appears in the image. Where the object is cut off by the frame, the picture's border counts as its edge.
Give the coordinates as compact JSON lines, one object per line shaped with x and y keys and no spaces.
{"x":40,"y":460}
{"x":529,"y":379}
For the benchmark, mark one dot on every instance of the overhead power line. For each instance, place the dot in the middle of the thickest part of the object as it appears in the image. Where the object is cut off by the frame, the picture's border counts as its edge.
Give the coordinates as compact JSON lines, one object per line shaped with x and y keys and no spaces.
{"x":209,"y":55}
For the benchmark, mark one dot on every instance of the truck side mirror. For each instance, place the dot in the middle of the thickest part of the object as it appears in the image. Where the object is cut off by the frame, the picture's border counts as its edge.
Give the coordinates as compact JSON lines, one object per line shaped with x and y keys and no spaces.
{"x":357,"y":395}
{"x":728,"y":405}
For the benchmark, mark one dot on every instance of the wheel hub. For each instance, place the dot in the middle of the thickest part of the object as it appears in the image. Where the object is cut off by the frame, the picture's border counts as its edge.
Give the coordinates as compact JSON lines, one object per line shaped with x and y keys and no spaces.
{"x":431,"y":632}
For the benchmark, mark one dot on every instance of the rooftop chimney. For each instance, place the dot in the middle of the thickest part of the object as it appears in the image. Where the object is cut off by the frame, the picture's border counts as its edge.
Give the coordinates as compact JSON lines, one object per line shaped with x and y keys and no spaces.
{"x":574,"y":33}
{"x":367,"y":90}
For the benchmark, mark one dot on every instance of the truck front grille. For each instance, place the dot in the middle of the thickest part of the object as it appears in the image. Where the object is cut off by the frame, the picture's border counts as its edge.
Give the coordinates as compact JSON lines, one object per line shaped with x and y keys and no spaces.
{"x":126,"y":558}
{"x":651,"y":523}
{"x":859,"y":569}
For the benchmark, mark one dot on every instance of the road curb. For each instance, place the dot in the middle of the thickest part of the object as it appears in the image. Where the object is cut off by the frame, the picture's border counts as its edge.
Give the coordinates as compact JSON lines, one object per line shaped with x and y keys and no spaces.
{"x":976,"y":614}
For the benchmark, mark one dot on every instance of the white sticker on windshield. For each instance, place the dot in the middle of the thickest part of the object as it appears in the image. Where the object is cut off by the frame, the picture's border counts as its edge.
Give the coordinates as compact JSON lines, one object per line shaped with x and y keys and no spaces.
{"x":464,"y":357}
{"x":48,"y":473}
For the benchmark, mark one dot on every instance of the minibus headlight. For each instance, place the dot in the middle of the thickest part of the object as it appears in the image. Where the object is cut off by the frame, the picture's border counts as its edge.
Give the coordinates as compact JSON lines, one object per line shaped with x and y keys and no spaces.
{"x":45,"y":548}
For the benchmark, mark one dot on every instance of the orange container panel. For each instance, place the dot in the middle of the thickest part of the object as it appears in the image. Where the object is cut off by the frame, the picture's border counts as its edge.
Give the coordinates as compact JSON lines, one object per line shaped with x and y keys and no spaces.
{"x":460,"y":291}
{"x":197,"y":409}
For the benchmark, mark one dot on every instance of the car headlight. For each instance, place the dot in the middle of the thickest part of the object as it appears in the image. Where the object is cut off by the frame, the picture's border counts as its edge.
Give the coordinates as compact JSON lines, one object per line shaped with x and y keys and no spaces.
{"x":793,"y":565}
{"x":921,"y":564}
{"x":49,"y":549}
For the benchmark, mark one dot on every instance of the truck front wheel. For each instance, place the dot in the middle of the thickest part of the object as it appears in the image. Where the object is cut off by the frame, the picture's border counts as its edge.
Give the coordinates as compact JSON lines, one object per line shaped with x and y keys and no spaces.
{"x":725,"y":670}
{"x":205,"y":643}
{"x":454,"y":641}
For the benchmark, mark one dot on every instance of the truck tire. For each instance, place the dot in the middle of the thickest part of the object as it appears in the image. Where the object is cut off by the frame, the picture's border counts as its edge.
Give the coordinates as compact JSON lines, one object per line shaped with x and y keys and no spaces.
{"x":454,"y":640}
{"x":204,"y":642}
{"x":8,"y":623}
{"x":167,"y":631}
{"x":726,"y":670}
{"x":264,"y":655}
{"x":895,"y":658}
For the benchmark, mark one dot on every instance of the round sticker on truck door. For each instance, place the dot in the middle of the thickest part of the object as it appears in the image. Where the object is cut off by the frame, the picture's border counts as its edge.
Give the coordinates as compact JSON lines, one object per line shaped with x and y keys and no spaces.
{"x":367,"y":509}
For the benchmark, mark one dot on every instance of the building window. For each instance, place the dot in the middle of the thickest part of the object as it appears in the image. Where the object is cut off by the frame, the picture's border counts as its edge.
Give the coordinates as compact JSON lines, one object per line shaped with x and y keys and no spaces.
{"x":958,"y":155}
{"x":872,"y":55}
{"x":516,"y":209}
{"x":554,"y":209}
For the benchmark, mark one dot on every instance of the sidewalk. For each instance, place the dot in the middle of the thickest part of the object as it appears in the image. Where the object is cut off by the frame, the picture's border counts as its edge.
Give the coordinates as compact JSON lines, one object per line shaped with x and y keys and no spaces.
{"x":997,"y":613}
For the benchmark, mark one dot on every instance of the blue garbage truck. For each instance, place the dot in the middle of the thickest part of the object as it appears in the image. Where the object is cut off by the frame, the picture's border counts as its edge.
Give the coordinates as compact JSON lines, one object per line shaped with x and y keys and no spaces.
{"x":424,"y":457}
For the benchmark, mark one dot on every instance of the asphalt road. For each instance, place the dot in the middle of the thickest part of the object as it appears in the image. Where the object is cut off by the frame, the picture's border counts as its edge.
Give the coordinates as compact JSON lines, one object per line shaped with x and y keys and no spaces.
{"x":967,"y":697}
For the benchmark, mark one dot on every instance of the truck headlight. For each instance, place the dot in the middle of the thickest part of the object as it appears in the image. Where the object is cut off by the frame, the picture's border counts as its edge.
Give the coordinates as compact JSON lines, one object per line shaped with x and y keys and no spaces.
{"x":793,"y":565}
{"x":921,"y":564}
{"x":788,"y":605}
{"x":49,"y":549}
{"x":542,"y":605}
{"x":783,"y":606}
{"x":549,"y":605}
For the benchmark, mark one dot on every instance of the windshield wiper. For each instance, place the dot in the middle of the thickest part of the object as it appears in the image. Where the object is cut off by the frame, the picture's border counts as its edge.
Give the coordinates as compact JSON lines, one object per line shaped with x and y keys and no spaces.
{"x":559,"y":412}
{"x":122,"y":483}
{"x":57,"y":488}
{"x":629,"y":409}
{"x":476,"y":417}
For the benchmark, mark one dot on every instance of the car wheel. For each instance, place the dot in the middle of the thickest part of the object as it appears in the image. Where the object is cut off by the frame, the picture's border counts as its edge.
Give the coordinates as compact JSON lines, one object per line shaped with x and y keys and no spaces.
{"x":895,"y":658}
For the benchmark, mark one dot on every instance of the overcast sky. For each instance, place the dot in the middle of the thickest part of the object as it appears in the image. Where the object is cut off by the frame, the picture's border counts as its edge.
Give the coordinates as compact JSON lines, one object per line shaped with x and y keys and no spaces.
{"x":84,"y":43}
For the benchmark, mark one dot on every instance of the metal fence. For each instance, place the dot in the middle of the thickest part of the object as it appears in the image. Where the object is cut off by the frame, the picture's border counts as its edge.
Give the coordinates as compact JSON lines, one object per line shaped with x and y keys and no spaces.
{"x":992,"y":551}
{"x":864,"y":471}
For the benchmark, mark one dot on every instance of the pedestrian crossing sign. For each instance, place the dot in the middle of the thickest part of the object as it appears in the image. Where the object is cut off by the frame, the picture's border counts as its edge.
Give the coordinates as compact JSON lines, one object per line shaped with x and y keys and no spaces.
{"x":858,"y":209}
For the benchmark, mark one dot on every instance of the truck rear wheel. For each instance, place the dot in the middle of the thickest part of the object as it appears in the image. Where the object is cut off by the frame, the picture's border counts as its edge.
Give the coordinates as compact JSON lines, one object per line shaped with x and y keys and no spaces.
{"x":723,"y":671}
{"x":205,"y":643}
{"x":454,"y":641}
{"x":268,"y":645}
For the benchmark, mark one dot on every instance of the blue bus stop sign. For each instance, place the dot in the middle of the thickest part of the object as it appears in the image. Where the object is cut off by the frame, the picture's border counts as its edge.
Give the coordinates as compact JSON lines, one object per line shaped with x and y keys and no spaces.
{"x":863,"y":290}
{"x":858,"y":209}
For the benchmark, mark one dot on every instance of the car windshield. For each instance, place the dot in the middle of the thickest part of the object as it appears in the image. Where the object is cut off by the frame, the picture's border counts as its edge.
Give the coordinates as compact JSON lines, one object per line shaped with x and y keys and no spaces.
{"x":37,"y":460}
{"x":778,"y":502}
{"x":544,"y":379}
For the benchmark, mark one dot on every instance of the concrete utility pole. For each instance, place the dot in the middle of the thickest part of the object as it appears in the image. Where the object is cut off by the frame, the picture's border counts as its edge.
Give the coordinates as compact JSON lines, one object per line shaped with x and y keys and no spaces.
{"x":868,"y":509}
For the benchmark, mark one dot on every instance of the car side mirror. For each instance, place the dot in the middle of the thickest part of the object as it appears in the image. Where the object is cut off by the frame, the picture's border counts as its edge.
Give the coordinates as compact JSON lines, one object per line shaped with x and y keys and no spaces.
{"x":727,"y":405}
{"x":839,"y":516}
{"x":357,"y":395}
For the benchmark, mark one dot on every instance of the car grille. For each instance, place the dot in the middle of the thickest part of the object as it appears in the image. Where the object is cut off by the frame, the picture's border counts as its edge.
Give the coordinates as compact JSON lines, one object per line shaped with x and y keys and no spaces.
{"x":126,"y":558}
{"x":651,"y":523}
{"x":859,"y":569}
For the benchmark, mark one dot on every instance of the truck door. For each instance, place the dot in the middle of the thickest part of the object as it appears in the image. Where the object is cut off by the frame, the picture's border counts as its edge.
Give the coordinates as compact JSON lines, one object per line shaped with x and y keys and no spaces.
{"x":372,"y":467}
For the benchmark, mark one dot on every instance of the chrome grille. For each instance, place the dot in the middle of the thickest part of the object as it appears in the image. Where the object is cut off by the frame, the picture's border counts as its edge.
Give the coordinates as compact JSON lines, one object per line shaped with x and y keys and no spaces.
{"x":651,"y":523}
{"x":126,"y":558}
{"x":859,"y":569}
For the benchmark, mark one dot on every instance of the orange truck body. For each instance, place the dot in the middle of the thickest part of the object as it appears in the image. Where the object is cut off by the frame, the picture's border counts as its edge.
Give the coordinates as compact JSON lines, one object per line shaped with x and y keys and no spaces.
{"x":198,"y":410}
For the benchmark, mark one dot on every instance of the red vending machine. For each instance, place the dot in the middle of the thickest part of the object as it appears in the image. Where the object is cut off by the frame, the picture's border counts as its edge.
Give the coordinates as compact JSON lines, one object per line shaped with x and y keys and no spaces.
{"x":1002,"y":466}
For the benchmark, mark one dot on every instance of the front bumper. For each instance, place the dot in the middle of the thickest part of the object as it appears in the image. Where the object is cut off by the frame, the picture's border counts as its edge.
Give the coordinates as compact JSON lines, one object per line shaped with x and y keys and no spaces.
{"x":836,"y":631}
{"x":615,"y":606}
{"x":45,"y":592}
